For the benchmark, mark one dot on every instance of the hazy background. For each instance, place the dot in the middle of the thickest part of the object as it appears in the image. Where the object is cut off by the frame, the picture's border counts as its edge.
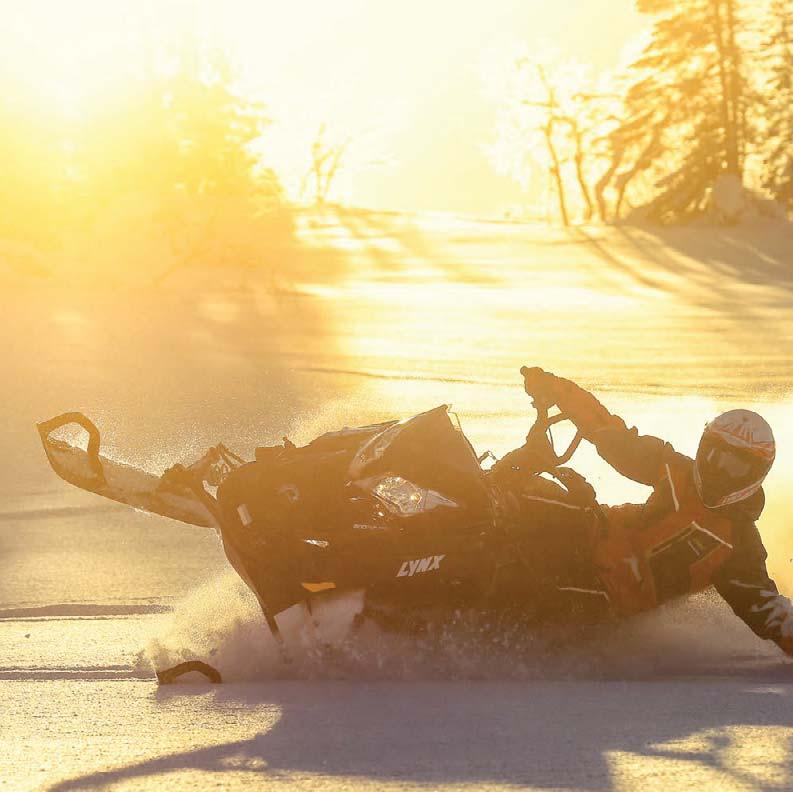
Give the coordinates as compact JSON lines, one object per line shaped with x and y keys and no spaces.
{"x":405,"y":82}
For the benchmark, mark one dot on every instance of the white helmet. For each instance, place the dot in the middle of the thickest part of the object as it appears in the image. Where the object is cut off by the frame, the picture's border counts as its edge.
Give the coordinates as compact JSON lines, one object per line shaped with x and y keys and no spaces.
{"x":735,"y":454}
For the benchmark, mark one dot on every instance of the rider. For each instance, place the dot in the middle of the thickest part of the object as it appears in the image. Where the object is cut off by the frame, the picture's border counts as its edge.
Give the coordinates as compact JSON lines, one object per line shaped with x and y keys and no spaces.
{"x":697,"y":528}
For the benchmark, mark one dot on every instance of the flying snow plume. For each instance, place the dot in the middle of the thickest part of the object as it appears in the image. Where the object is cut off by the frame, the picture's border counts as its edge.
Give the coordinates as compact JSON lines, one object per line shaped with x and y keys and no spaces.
{"x":221,"y":624}
{"x":699,"y":635}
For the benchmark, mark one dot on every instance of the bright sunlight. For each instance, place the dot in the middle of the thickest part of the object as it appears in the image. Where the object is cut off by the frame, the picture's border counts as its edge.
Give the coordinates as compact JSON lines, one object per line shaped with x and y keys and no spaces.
{"x":396,"y":395}
{"x":385,"y":84}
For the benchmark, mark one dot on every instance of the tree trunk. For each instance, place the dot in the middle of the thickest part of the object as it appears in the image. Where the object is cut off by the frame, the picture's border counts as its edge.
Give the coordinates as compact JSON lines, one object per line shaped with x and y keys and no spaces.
{"x":579,"y":172}
{"x":735,"y":92}
{"x":547,"y":130}
{"x":556,"y":170}
{"x":644,"y":159}
{"x":604,"y":181}
{"x":722,"y":33}
{"x":335,"y":161}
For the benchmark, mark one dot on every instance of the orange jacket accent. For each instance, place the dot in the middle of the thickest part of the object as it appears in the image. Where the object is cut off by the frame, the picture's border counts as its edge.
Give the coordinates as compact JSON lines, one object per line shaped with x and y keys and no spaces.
{"x":642,"y":565}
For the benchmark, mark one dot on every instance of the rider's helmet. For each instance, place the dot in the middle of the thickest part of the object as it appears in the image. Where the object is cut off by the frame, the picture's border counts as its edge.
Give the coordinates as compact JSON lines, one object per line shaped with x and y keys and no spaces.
{"x":735,"y":454}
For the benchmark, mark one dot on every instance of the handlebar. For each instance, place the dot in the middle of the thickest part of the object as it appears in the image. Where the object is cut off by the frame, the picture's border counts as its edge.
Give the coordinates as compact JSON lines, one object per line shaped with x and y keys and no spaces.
{"x":538,"y":455}
{"x":540,"y":435}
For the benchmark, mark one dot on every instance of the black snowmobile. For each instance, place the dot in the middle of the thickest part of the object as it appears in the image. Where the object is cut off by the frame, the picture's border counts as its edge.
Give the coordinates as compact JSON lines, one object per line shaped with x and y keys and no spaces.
{"x":402,"y":510}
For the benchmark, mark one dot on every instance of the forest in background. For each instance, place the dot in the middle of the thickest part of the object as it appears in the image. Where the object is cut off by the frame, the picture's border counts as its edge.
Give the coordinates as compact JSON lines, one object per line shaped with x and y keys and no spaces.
{"x":165,"y":170}
{"x":707,"y":100}
{"x":169,"y":172}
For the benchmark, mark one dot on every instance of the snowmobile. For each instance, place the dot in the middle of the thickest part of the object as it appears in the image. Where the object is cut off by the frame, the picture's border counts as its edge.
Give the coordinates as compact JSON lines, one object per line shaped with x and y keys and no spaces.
{"x":405,"y":511}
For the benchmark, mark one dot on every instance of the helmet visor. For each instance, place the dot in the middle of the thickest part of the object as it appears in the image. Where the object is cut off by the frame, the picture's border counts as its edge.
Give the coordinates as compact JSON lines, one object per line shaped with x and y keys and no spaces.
{"x":725,"y":469}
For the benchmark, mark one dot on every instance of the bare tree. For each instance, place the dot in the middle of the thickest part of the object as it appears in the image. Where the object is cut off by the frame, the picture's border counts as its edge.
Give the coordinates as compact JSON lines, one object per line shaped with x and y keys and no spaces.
{"x":326,"y":160}
{"x":551,"y":109}
{"x":554,"y":114}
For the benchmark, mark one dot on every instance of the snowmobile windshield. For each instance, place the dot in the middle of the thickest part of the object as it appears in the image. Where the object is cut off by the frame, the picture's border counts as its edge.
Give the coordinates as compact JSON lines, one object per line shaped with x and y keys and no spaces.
{"x":428,"y":451}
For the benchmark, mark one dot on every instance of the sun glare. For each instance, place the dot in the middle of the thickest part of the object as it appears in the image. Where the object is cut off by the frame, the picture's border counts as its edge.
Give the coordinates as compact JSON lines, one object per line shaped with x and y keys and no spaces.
{"x":390,"y":83}
{"x":64,"y":54}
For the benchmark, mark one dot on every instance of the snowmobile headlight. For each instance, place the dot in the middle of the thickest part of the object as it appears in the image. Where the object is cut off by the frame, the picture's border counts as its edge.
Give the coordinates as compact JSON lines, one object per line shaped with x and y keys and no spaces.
{"x":405,"y":498}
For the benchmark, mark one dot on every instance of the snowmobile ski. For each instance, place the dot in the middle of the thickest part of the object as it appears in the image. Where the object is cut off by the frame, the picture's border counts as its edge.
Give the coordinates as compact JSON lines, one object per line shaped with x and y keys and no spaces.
{"x":89,"y":470}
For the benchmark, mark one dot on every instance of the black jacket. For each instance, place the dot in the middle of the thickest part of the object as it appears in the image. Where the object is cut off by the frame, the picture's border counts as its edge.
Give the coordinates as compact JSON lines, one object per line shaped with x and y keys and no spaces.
{"x":740,"y":575}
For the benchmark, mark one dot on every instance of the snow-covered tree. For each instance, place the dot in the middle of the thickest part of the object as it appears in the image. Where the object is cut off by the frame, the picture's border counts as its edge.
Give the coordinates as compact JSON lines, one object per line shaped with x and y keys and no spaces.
{"x":686,"y":120}
{"x":172,"y":155}
{"x":777,"y":50}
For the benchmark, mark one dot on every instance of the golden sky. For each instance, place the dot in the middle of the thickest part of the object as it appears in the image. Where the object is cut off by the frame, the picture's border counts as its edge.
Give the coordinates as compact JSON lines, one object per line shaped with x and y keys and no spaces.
{"x":402,"y":79}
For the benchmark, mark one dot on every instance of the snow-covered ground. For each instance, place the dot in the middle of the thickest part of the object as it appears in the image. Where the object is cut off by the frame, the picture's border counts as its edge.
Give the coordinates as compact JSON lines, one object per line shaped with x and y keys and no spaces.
{"x":379,"y":316}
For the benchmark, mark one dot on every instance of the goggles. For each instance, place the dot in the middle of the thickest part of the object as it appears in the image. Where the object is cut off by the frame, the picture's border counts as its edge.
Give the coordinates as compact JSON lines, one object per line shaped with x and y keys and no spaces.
{"x":725,"y":470}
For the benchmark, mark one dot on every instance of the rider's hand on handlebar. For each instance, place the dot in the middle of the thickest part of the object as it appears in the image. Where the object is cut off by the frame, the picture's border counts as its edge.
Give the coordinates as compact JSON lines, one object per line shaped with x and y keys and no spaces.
{"x":535,"y":383}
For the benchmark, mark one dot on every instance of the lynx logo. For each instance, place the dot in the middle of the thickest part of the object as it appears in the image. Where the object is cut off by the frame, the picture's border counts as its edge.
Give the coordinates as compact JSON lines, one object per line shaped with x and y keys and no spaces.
{"x":428,"y":564}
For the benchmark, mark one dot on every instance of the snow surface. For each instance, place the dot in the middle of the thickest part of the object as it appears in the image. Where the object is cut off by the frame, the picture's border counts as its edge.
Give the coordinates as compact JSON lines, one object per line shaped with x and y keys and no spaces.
{"x":383,"y":316}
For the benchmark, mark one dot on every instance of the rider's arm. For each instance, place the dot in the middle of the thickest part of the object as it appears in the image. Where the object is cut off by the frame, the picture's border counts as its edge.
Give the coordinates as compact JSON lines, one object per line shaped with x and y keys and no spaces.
{"x":744,"y":583}
{"x":639,"y":457}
